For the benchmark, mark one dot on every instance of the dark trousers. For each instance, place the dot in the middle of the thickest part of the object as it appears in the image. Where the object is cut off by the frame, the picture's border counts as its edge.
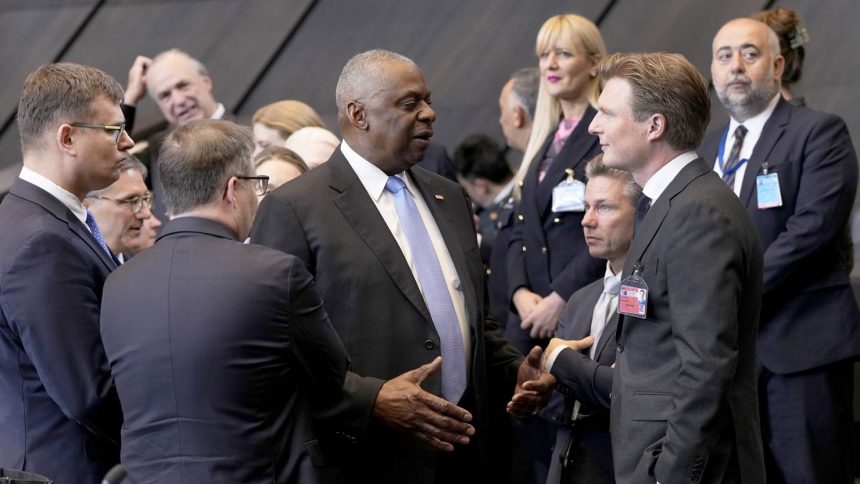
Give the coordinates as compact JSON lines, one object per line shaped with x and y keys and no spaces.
{"x":808,"y":425}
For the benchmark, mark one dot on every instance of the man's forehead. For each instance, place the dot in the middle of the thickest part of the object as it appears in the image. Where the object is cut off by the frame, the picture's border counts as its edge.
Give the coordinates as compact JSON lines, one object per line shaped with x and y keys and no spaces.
{"x":740,"y":33}
{"x":129,"y":184}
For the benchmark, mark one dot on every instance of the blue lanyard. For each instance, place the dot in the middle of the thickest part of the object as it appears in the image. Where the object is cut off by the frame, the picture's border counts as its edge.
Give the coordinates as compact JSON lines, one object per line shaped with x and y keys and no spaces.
{"x":721,"y":151}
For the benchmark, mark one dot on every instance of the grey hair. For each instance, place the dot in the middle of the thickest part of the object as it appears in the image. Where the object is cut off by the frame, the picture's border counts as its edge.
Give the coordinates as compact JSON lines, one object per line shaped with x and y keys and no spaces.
{"x":198,"y":66}
{"x":525,"y":88}
{"x":596,"y":168}
{"x":361,"y":74}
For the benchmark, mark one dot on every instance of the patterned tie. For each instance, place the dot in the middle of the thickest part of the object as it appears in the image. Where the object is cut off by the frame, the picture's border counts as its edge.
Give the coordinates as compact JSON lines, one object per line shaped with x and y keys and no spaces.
{"x":730,"y":166}
{"x":435,"y":290}
{"x":642,"y":207}
{"x":606,"y":305}
{"x":94,"y":228}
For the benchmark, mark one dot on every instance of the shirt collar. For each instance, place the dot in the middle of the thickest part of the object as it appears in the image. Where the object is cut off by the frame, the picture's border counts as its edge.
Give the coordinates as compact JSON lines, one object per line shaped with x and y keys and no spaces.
{"x":504,"y":193}
{"x":657,"y":184}
{"x":219,"y":112}
{"x":66,"y":197}
{"x":368,"y":174}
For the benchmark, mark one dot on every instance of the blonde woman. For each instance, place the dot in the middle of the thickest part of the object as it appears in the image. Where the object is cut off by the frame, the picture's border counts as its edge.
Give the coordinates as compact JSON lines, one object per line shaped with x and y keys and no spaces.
{"x":274,"y":123}
{"x":548,"y":259}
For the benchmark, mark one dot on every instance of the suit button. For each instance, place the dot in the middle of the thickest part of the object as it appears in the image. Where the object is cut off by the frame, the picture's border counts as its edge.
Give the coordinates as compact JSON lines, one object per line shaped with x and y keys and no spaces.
{"x":543,"y":250}
{"x":556,"y":220}
{"x":520,"y":217}
{"x":620,"y":348}
{"x":429,"y":345}
{"x":524,"y":248}
{"x":489,"y":271}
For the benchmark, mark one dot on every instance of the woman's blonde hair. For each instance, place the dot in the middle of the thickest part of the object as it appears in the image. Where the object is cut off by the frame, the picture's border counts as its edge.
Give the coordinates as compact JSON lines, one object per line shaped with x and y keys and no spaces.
{"x":287,"y":117}
{"x":584,"y":38}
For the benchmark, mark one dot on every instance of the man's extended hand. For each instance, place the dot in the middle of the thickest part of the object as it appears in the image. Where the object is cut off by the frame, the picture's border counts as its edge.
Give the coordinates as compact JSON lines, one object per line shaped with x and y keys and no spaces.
{"x":575,"y":344}
{"x":136,"y":88}
{"x":543,"y":319}
{"x":403,"y":405}
{"x":534,"y":386}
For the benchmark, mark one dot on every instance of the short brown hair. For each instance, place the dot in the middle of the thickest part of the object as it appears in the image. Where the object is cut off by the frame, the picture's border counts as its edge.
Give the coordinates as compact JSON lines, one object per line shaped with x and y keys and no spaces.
{"x":198,"y":158}
{"x":664,"y":84}
{"x":62,"y":92}
{"x":286,"y":117}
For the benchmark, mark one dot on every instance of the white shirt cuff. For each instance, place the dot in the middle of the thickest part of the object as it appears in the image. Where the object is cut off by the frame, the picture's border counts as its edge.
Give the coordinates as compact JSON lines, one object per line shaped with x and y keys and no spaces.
{"x":551,"y":358}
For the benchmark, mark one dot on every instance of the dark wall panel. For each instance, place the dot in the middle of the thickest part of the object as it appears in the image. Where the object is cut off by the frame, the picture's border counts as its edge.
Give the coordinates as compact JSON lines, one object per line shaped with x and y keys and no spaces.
{"x":466,"y":49}
{"x":234,"y":39}
{"x":31,"y":34}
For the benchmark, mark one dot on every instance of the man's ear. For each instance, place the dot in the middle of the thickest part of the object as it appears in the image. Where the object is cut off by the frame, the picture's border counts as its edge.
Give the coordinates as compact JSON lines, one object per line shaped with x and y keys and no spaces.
{"x":778,"y":67}
{"x":230,"y":195}
{"x":519,"y":117}
{"x":657,"y":126}
{"x":207,"y":81}
{"x":65,"y":140}
{"x":357,"y":114}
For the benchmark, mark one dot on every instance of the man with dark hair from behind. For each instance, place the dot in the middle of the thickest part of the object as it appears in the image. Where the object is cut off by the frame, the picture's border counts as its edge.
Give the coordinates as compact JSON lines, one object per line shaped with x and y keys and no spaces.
{"x":221,"y":351}
{"x":60,"y":415}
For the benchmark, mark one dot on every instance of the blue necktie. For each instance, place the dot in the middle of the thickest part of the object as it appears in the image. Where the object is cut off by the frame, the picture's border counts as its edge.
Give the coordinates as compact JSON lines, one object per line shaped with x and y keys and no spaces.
{"x":435,"y":290}
{"x":94,"y":228}
{"x":642,"y":207}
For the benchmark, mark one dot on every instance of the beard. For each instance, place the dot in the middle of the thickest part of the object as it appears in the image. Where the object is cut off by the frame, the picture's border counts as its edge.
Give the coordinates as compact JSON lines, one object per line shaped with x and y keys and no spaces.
{"x":754,"y":102}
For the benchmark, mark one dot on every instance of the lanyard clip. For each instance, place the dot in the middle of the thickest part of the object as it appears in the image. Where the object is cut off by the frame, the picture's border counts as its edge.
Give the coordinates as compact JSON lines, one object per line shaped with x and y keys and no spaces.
{"x":569,"y":172}
{"x":764,"y":167}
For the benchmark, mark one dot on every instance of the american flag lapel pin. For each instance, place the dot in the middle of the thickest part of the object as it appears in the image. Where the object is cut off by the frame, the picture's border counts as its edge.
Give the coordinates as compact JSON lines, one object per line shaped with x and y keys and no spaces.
{"x":439,"y":197}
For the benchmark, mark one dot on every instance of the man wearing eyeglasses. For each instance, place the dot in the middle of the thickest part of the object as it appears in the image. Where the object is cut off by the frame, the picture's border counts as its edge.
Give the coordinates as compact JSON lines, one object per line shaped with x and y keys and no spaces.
{"x":59,"y":410}
{"x":233,"y":337}
{"x":122,"y":209}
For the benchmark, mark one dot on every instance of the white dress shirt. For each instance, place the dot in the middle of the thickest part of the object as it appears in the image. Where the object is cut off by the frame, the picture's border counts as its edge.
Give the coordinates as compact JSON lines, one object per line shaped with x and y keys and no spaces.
{"x":754,"y":126}
{"x":656,"y":185}
{"x":373,"y":179}
{"x":65,"y":197}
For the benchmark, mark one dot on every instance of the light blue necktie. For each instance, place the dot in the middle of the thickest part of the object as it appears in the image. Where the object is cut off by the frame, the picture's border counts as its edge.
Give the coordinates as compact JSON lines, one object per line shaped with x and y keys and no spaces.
{"x":435,"y":290}
{"x":94,"y":228}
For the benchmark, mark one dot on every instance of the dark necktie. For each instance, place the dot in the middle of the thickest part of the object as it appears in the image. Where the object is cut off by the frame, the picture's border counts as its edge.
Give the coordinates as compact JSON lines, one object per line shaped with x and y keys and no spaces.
{"x":94,"y":228}
{"x":731,"y":165}
{"x":642,"y":207}
{"x":434,"y":289}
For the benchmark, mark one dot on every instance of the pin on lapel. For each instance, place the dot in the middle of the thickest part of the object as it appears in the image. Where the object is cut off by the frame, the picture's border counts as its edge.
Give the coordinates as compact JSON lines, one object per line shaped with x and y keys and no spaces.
{"x":439,"y":197}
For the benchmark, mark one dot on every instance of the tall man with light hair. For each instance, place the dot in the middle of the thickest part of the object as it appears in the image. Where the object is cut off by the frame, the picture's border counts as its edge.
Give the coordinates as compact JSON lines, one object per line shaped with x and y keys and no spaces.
{"x":795,"y":171}
{"x":394,"y":251}
{"x":683,"y":394}
{"x":182,"y":88}
{"x":60,"y":415}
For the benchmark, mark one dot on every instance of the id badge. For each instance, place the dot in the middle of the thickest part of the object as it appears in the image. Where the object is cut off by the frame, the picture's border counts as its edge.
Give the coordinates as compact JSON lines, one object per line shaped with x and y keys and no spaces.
{"x":633,"y":297}
{"x":569,"y":196}
{"x":767,"y":190}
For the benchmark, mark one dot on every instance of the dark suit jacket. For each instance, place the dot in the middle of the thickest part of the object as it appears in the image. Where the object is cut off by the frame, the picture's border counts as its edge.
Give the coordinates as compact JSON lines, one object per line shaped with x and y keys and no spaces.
{"x":327,"y":219}
{"x":58,"y":407}
{"x":578,"y":377}
{"x":547,"y":250}
{"x":684,"y":404}
{"x":497,"y":265}
{"x":217,"y":360}
{"x":809,"y":315}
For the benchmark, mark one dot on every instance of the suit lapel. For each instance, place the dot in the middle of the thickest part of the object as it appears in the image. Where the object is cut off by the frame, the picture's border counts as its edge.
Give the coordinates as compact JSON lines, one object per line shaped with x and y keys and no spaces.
{"x":770,"y":134}
{"x":658,"y":212}
{"x":45,"y":200}
{"x":575,"y":147}
{"x":359,"y":210}
{"x":607,"y":336}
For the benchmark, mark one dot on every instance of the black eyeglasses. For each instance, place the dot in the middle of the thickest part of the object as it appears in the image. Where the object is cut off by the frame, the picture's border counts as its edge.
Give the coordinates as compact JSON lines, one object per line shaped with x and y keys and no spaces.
{"x":261,"y":185}
{"x":119,"y":128}
{"x":135,"y":204}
